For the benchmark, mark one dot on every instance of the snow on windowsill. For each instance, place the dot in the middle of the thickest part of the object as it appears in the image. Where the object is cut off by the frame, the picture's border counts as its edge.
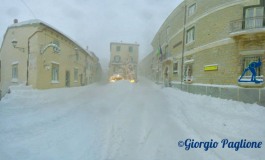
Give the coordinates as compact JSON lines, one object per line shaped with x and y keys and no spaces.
{"x":16,"y":62}
{"x":14,"y":80}
{"x":55,"y":82}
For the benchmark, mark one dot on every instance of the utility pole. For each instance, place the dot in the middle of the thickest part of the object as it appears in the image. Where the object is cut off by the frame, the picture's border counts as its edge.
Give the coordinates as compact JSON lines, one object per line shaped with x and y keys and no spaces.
{"x":183,"y":45}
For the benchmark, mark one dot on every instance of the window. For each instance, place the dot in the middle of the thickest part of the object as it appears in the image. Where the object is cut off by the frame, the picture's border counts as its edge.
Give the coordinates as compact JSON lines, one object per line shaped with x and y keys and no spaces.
{"x":246,"y":63}
{"x":192,"y":9}
{"x":254,"y":17}
{"x":77,"y":57}
{"x":14,"y":72}
{"x":188,"y":73}
{"x":190,"y":36}
{"x":118,"y":48}
{"x":55,"y":73}
{"x":117,"y":59}
{"x":166,"y":72}
{"x":117,"y":70}
{"x":76,"y":74}
{"x":168,"y":32}
{"x":130,"y":49}
{"x":87,"y":65}
{"x":175,"y":68}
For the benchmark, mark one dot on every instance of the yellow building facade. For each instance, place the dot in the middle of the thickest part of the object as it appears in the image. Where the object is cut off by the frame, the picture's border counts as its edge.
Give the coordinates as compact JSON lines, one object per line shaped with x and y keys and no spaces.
{"x":36,"y":54}
{"x":212,"y":47}
{"x":210,"y":42}
{"x":124,"y":60}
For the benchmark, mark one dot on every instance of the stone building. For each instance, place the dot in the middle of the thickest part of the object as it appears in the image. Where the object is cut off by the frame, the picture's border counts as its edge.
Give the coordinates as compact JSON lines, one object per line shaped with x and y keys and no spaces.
{"x":124,"y":60}
{"x":211,"y":43}
{"x":36,"y":54}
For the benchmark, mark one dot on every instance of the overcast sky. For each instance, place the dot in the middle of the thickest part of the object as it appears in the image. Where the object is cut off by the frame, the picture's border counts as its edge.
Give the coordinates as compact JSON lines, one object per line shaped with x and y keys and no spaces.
{"x":94,"y":23}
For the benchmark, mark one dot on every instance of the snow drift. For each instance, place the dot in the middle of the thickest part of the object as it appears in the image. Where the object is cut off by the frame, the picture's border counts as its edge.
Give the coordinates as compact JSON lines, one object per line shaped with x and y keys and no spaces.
{"x":124,"y":121}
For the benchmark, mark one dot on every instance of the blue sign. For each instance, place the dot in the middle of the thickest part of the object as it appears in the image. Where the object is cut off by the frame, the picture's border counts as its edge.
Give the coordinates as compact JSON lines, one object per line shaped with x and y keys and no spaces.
{"x":251,"y":67}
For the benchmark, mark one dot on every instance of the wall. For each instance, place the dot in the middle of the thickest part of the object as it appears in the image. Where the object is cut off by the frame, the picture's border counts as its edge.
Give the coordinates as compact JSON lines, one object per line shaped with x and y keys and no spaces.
{"x":125,"y":56}
{"x":213,"y":44}
{"x":32,"y":37}
{"x":11,"y":55}
{"x":246,"y":95}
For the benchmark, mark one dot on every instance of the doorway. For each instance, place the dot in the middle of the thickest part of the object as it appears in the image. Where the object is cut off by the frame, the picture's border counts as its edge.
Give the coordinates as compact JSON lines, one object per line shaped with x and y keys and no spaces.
{"x":81,"y":79}
{"x":67,"y":78}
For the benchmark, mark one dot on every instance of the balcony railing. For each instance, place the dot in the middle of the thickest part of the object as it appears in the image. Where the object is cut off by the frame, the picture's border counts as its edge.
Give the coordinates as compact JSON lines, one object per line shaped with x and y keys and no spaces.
{"x":166,"y":56}
{"x":246,"y":24}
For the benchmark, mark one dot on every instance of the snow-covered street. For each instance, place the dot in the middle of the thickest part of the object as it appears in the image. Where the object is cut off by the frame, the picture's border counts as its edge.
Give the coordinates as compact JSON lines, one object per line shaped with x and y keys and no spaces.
{"x":124,"y":121}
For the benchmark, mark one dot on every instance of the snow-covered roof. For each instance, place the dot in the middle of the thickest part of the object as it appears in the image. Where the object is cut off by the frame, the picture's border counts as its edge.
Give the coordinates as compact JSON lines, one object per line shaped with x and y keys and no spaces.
{"x":123,"y":43}
{"x":29,"y":22}
{"x":37,"y":21}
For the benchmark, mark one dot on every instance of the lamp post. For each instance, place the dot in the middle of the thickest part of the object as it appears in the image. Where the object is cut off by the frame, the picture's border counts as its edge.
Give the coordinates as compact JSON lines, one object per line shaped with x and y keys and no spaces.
{"x":183,"y":47}
{"x":55,"y":48}
{"x":14,"y":43}
{"x":27,"y":82}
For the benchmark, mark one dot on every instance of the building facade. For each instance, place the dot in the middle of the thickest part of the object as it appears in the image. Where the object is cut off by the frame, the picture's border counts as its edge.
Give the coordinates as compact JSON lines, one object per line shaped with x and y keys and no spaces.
{"x":211,"y":42}
{"x":124,"y":60}
{"x":214,"y":48}
{"x":36,"y":54}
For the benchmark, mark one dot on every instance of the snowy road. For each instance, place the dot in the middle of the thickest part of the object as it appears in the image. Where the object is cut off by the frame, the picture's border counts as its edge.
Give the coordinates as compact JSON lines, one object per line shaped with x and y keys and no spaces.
{"x":123,"y":121}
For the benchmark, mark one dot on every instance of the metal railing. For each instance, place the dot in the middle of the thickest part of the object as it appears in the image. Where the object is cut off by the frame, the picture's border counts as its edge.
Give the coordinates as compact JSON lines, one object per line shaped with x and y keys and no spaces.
{"x":247,"y":23}
{"x":166,"y":56}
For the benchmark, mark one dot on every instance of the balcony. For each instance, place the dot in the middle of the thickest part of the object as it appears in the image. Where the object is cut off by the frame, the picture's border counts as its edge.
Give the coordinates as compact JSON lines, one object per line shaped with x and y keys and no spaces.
{"x":167,"y":56}
{"x":247,"y":26}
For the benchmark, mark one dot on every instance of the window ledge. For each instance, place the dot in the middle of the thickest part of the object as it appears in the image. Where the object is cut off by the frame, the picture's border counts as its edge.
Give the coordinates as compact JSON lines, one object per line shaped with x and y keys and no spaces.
{"x":55,"y":82}
{"x":190,"y":43}
{"x":14,"y":80}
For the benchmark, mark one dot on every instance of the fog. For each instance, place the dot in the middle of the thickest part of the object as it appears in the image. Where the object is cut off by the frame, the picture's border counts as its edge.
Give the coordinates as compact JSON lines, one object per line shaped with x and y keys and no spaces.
{"x":94,"y":23}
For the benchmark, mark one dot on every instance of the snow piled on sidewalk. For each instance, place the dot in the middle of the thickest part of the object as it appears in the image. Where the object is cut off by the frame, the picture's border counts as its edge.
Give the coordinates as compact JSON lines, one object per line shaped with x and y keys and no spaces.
{"x":123,"y":121}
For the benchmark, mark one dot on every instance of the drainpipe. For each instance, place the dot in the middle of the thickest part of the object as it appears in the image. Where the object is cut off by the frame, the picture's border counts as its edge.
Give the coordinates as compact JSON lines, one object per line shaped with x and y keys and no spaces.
{"x":160,"y":66}
{"x":183,"y":46}
{"x":27,"y":82}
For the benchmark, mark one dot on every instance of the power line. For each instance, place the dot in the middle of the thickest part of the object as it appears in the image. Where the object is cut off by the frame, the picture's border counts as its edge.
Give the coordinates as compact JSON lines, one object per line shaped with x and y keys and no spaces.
{"x":29,"y":9}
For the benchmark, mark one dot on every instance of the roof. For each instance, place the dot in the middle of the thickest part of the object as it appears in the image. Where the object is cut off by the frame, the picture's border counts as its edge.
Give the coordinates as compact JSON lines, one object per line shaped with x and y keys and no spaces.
{"x":29,"y":22}
{"x":121,"y":43}
{"x":39,"y":22}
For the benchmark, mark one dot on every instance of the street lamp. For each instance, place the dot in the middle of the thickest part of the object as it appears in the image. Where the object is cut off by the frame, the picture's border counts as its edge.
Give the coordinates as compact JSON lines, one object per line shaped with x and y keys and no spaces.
{"x":14,"y":43}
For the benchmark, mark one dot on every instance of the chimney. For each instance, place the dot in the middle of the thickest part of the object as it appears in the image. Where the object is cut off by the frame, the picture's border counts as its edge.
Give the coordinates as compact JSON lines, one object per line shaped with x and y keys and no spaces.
{"x":15,"y":21}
